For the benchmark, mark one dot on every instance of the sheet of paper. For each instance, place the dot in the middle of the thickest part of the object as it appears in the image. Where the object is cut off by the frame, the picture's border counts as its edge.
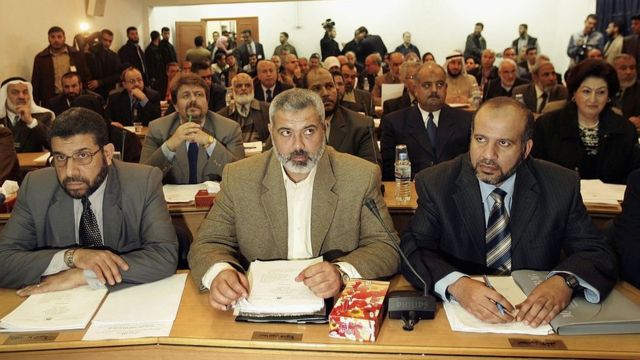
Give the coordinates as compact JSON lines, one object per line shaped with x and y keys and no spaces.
{"x":274,"y":290}
{"x":146,"y":303}
{"x":130,"y":128}
{"x":462,"y":320}
{"x":253,"y":147}
{"x":127,"y":331}
{"x":59,"y":310}
{"x":596,"y":192}
{"x":187,"y":193}
{"x":42,"y":158}
{"x":391,"y":91}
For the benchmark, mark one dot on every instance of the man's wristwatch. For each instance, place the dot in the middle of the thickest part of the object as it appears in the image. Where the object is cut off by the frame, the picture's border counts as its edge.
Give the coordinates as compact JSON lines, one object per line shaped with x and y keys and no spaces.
{"x":343,"y":276}
{"x":570,"y":280}
{"x":68,"y":258}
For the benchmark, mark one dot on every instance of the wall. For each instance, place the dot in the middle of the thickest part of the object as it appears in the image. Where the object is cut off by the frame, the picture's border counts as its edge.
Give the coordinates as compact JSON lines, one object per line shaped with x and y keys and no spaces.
{"x":25,"y":25}
{"x":438,"y":26}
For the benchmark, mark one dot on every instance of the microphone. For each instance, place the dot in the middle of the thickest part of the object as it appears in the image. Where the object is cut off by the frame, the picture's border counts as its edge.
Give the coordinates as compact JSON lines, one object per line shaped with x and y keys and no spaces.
{"x":124,"y":137}
{"x":373,"y":142}
{"x":410,"y":306}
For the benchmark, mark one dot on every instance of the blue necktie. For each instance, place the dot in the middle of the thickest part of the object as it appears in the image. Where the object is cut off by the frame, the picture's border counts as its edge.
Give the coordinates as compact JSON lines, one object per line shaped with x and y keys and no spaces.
{"x":498,"y":236}
{"x":192,"y":155}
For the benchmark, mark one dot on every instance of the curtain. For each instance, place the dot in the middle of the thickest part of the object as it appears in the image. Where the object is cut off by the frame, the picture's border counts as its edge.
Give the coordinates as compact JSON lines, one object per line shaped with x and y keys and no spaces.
{"x":616,"y":10}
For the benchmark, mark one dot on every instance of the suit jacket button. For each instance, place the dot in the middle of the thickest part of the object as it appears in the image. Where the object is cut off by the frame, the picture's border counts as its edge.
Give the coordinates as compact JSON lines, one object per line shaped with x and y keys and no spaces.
{"x":431,"y":163}
{"x":577,"y":169}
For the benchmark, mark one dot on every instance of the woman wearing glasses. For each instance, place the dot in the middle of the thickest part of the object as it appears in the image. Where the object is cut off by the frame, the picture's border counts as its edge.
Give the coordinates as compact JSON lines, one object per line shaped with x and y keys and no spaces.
{"x":586,"y":135}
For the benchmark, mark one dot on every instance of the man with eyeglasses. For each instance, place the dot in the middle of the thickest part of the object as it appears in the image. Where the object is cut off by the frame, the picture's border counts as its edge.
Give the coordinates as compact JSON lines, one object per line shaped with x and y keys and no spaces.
{"x":134,"y":103}
{"x":88,"y":219}
{"x":433,"y":131}
{"x":193,"y":144}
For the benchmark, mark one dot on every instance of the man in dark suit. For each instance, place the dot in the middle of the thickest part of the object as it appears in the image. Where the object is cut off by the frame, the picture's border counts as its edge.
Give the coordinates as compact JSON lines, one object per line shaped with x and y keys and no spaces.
{"x":131,"y":53}
{"x":408,"y":71}
{"x":135,"y":102}
{"x":28,"y":122}
{"x":524,"y":41}
{"x":46,"y":77}
{"x":631,"y":43}
{"x":627,"y":100}
{"x":166,"y":48}
{"x":486,"y":71}
{"x":266,"y":85}
{"x":347,"y":131}
{"x":249,"y":47}
{"x":104,"y":65}
{"x":217,"y":93}
{"x":506,"y":81}
{"x":432,"y":131}
{"x":88,"y":219}
{"x":71,"y":89}
{"x":154,"y":63}
{"x":626,"y":230}
{"x":544,"y":88}
{"x":406,"y":46}
{"x":495,"y":210}
{"x":355,"y":99}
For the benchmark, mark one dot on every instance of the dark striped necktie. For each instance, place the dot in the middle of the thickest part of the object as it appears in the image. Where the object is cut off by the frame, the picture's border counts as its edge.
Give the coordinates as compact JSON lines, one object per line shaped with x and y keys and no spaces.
{"x":498,"y":236}
{"x":89,"y":232}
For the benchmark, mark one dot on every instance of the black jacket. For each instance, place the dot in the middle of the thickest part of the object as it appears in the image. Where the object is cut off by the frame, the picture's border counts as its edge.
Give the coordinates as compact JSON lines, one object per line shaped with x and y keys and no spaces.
{"x":105,"y":67}
{"x":119,"y":107}
{"x":557,"y":139}
{"x":128,"y":54}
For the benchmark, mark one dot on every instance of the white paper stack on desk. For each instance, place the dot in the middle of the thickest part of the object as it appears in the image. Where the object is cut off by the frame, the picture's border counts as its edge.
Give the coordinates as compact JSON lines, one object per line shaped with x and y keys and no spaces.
{"x":59,"y":310}
{"x":139,"y":311}
{"x":275,"y":292}
{"x":187,"y":193}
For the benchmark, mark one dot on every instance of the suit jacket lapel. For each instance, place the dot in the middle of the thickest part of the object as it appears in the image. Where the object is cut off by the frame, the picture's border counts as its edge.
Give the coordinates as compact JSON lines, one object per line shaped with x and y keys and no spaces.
{"x":468,"y":201}
{"x":417,"y":129}
{"x":323,"y":204}
{"x":274,"y":203}
{"x":338,"y":129}
{"x":112,"y":210}
{"x":530,"y":97}
{"x":525,"y":202}
{"x":445,"y":127}
{"x":61,"y":221}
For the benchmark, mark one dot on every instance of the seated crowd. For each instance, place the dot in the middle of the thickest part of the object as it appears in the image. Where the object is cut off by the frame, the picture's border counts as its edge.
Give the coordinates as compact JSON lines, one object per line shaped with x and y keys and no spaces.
{"x":496,"y":154}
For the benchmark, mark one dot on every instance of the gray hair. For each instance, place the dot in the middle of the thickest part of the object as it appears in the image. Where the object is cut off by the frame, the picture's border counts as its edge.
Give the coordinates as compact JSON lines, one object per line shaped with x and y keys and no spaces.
{"x":508,"y":61}
{"x":296,"y":100}
{"x":406,"y":66}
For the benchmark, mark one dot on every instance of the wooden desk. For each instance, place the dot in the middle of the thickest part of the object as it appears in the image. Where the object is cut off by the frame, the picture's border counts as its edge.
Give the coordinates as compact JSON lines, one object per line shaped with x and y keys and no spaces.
{"x":28,"y":160}
{"x":201,"y":332}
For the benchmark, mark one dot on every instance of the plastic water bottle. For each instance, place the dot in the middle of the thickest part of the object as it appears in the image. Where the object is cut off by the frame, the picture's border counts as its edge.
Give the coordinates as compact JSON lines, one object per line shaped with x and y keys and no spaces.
{"x":365,"y":84}
{"x":403,"y":174}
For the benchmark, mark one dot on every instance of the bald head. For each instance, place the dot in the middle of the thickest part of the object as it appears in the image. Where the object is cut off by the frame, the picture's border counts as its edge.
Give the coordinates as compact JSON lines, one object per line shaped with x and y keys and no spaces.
{"x":267,"y":73}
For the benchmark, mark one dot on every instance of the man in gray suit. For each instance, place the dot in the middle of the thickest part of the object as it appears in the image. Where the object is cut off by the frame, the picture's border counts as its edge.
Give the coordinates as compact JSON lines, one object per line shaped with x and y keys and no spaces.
{"x":193,"y":144}
{"x":495,"y":210}
{"x":88,"y":219}
{"x":347,"y":131}
{"x":543,"y":90}
{"x":299,"y":200}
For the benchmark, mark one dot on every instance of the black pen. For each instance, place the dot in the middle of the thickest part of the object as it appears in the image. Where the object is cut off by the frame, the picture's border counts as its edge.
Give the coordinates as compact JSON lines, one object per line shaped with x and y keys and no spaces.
{"x":488,"y":284}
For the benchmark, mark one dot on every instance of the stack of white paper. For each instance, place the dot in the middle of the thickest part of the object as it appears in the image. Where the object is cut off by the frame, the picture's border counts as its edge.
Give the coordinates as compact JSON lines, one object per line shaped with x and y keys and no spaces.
{"x":42,"y":159}
{"x":275,"y":291}
{"x":139,"y":311}
{"x":59,"y":310}
{"x":390,"y":91}
{"x":597,"y":192}
{"x":252,"y":148}
{"x":187,"y":193}
{"x":462,"y":320}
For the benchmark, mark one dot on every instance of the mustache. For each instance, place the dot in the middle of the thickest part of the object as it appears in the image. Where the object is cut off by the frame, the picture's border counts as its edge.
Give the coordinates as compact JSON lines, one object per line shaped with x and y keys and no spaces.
{"x":297,"y":153}
{"x":488,"y":162}
{"x":70,"y":179}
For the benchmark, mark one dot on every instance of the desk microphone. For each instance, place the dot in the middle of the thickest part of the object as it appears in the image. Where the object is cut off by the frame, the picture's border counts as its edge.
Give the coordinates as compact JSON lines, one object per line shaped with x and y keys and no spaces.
{"x":375,"y":153}
{"x":124,"y":137}
{"x":410,"y":306}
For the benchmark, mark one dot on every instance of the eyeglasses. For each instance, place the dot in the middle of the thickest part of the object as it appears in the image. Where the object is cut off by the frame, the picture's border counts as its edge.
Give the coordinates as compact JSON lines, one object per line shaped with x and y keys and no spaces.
{"x":429,"y":85}
{"x":134,"y":81}
{"x":83,"y":157}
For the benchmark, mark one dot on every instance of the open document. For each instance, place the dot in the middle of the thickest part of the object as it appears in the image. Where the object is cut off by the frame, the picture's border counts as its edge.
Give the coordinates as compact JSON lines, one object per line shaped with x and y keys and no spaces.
{"x":187,"y":193}
{"x":274,"y":290}
{"x":461,"y":320}
{"x":139,"y":311}
{"x":58,"y":310}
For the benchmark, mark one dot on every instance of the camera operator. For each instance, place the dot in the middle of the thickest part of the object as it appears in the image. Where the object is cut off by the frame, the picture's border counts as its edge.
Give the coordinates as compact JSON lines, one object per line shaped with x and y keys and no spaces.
{"x":328,"y":44}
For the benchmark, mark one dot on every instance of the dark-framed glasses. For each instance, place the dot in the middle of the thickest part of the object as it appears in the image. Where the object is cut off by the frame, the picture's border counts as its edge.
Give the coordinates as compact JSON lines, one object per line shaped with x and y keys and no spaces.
{"x":83,"y":157}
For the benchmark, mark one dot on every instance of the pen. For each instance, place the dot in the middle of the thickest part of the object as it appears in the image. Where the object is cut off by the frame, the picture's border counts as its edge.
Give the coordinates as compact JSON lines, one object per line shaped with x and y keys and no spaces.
{"x":488,"y":284}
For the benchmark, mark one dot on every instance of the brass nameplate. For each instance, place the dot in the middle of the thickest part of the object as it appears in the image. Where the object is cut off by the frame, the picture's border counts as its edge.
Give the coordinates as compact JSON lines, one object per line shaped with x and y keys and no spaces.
{"x":276,"y":336}
{"x":30,"y":338}
{"x":538,"y":344}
